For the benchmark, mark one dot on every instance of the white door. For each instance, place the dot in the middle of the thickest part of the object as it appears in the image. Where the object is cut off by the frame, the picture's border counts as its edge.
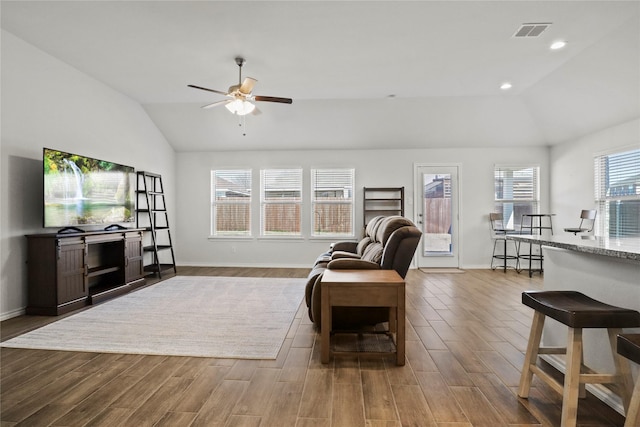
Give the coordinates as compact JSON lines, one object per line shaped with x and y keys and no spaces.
{"x":437,"y":199}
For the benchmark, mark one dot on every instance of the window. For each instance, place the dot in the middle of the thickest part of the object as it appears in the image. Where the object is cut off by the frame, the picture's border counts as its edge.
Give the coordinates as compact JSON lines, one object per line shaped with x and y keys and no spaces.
{"x":281,"y":201}
{"x":231,"y":202}
{"x":332,"y":202}
{"x":617,"y":191}
{"x":516,"y":192}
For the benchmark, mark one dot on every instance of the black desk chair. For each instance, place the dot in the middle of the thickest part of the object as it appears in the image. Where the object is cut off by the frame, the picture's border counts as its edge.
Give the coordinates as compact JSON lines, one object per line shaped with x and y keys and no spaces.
{"x":587,"y":221}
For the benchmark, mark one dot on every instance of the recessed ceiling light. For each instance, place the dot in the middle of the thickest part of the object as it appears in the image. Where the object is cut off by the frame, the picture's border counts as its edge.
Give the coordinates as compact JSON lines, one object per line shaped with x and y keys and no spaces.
{"x":558,"y":45}
{"x":506,"y":86}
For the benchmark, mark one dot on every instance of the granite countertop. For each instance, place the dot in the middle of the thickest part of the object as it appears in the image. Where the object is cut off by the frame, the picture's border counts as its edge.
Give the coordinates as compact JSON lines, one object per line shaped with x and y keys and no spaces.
{"x":619,"y":248}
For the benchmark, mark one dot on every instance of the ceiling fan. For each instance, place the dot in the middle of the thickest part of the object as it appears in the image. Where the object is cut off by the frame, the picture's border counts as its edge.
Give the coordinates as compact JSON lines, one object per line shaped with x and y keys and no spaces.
{"x":241,"y":95}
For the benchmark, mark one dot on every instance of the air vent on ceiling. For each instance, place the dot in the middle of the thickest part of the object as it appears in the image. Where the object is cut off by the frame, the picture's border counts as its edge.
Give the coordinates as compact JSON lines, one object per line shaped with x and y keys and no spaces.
{"x":532,"y":29}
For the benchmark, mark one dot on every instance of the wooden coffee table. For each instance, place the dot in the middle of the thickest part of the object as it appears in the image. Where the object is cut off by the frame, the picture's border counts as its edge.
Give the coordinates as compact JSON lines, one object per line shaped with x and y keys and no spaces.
{"x":363,"y":288}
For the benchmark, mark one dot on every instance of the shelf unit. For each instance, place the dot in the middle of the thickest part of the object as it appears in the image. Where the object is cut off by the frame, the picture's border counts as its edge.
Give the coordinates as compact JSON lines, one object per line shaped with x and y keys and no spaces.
{"x":382,"y":201}
{"x":151,"y":215}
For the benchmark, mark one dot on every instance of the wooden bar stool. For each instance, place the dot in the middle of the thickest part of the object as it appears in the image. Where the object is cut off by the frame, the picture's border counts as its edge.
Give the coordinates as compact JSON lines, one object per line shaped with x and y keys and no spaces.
{"x":577,"y":311}
{"x":629,"y":347}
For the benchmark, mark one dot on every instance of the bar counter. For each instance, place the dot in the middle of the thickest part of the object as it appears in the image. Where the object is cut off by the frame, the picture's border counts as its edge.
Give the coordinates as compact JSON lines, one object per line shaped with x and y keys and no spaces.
{"x":605,"y":269}
{"x":617,"y":248}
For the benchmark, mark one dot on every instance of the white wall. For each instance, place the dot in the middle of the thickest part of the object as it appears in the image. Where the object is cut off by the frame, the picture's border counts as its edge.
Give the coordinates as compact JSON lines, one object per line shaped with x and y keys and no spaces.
{"x":46,"y":103}
{"x":374,"y":168}
{"x":572,"y":173}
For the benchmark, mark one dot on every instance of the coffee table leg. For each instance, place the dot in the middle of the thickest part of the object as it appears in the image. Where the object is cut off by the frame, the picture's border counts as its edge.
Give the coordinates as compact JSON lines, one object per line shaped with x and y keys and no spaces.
{"x":325,"y":325}
{"x":400,"y":332}
{"x":393,"y":324}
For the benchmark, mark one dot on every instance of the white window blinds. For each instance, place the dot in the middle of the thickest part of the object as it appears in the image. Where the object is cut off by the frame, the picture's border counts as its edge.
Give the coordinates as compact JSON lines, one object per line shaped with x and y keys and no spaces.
{"x":516,"y":192}
{"x":231,"y":202}
{"x":617,"y":193}
{"x":332,"y":204}
{"x":281,"y":202}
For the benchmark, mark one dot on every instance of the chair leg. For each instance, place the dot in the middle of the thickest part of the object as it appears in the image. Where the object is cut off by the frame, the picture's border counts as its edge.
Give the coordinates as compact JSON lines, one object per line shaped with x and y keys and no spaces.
{"x":572,"y":378}
{"x":531,"y":357}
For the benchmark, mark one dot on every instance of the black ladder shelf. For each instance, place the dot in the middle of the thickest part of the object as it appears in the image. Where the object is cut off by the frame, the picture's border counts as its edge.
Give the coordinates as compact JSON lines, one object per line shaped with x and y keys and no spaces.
{"x":151,"y":214}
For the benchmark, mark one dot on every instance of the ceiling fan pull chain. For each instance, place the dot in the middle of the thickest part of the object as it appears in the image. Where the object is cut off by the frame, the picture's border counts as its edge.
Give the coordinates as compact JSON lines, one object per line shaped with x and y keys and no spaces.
{"x":242,"y":122}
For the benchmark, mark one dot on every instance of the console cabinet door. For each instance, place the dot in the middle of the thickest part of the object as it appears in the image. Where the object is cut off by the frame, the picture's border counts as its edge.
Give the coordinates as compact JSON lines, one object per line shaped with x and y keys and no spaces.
{"x":71,"y":275}
{"x":133,"y":257}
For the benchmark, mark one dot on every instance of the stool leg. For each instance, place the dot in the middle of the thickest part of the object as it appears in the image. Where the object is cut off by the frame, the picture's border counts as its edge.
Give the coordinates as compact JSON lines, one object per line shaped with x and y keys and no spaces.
{"x":623,"y":370}
{"x":504,"y":263}
{"x":572,"y":378}
{"x":633,"y":413}
{"x":493,"y":255}
{"x":516,"y":246}
{"x":531,"y":357}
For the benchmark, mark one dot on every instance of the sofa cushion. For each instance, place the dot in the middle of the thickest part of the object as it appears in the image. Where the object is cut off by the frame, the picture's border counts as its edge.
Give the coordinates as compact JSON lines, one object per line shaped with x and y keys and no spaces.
{"x":362,"y":245}
{"x":372,"y":226}
{"x":373,"y":253}
{"x":388,"y":226}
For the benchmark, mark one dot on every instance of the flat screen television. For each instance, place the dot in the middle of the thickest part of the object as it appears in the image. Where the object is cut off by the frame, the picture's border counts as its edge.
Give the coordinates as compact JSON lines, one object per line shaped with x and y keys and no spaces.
{"x":82,"y":191}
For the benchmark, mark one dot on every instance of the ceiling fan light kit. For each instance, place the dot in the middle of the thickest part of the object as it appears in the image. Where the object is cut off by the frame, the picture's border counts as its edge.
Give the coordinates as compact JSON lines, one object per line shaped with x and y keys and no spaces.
{"x":240,"y":107}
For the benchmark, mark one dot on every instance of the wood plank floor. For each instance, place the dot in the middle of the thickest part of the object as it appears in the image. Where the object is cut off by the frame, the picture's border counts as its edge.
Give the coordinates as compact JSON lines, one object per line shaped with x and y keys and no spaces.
{"x":466,"y":337}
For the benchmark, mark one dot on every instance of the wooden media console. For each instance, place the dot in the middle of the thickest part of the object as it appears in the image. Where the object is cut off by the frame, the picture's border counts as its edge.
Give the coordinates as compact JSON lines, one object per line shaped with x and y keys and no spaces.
{"x":67,"y":271}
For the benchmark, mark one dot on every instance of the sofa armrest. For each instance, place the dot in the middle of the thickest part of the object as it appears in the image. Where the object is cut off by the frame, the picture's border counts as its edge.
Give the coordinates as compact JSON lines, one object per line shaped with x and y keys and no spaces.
{"x":344,"y":247}
{"x":352,"y":264}
{"x":344,"y":254}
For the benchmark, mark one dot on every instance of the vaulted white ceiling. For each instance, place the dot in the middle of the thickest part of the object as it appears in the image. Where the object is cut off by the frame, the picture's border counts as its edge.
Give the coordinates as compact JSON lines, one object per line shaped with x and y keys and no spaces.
{"x":383,"y":74}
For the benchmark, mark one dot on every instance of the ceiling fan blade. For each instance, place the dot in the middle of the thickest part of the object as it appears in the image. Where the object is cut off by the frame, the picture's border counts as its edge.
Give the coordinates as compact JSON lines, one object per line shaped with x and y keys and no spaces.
{"x":208,"y":90}
{"x":214,"y":104}
{"x":273,"y":99}
{"x":247,"y":85}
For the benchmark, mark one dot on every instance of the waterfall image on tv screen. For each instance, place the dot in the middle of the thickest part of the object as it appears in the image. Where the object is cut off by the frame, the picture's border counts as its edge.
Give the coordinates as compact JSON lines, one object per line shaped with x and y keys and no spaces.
{"x":79,"y":190}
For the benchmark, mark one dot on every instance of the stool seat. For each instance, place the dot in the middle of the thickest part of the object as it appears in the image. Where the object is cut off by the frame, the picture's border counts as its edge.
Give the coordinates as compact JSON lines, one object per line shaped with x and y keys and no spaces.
{"x":577,"y":310}
{"x":629,"y":346}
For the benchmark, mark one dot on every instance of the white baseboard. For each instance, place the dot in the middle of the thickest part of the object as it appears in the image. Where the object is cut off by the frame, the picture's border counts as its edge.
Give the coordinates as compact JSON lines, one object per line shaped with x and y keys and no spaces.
{"x":12,"y":314}
{"x":242,"y":265}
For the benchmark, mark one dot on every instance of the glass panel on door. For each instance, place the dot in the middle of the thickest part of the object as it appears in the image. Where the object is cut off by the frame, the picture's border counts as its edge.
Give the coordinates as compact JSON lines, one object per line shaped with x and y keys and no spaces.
{"x":437,"y":209}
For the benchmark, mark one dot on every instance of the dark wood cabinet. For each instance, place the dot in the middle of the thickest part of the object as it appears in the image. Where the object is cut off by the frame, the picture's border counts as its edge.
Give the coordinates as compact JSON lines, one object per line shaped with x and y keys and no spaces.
{"x":133,"y":269}
{"x":72,"y":284}
{"x":69,"y":271}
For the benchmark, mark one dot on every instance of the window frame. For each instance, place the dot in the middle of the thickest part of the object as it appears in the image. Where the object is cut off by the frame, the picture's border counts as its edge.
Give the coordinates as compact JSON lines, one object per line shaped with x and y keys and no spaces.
{"x":603,"y":198}
{"x":265,"y":202}
{"x":215,"y":203}
{"x":349,"y":185}
{"x":513,"y":221}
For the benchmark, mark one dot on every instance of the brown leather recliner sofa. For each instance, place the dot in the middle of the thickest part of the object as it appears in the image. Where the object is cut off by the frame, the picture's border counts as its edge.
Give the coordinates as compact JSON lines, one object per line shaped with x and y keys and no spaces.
{"x":389,"y":243}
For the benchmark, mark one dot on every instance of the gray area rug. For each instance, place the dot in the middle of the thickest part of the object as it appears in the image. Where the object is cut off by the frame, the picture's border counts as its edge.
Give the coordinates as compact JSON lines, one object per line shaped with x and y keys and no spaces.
{"x":224,"y":317}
